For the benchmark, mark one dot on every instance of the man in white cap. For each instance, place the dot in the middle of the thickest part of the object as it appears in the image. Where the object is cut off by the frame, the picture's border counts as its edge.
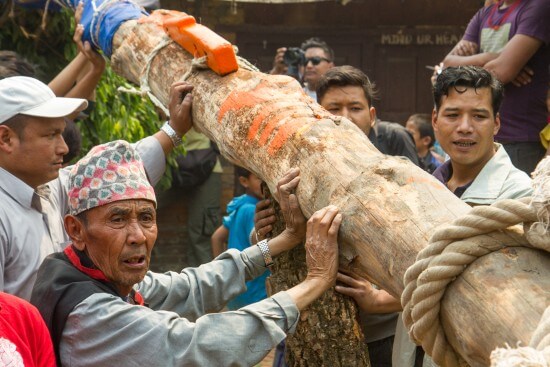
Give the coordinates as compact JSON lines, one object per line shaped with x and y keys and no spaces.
{"x":33,"y":190}
{"x":104,"y":308}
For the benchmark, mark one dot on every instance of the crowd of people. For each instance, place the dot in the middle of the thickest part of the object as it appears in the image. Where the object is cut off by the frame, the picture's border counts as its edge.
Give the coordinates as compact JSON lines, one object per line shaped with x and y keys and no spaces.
{"x":76,"y":240}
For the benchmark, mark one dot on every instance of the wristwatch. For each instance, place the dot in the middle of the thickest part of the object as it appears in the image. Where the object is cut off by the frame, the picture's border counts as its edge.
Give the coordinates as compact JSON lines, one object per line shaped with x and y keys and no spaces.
{"x":176,"y":139}
{"x":264,"y":248}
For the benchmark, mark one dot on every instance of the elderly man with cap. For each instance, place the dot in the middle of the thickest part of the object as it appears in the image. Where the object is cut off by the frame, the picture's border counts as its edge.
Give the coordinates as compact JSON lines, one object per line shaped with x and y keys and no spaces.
{"x":104,"y":308}
{"x":33,"y":190}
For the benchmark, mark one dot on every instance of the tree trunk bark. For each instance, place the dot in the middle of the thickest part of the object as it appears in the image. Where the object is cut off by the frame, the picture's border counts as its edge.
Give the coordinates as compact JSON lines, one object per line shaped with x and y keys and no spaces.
{"x":328,"y":333}
{"x":268,"y":125}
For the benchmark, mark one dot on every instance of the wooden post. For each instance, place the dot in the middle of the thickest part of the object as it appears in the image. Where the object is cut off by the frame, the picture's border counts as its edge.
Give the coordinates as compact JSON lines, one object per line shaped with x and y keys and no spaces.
{"x":328,"y":333}
{"x":268,"y":125}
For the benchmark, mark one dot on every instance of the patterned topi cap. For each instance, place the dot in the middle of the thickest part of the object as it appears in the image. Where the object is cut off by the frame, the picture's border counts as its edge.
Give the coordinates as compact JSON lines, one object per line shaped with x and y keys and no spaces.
{"x":109,"y":172}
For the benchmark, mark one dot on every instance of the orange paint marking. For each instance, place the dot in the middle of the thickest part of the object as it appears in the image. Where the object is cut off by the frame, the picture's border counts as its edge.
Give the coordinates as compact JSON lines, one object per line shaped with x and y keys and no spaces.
{"x":245,"y":99}
{"x":268,"y":129}
{"x":257,"y":122}
{"x":285,"y":131}
{"x":287,"y":115}
{"x":272,"y":121}
{"x":262,"y":97}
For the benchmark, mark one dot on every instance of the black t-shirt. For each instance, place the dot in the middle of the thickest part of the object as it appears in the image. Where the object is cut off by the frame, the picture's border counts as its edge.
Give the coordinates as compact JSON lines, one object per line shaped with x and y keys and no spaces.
{"x":393,"y":139}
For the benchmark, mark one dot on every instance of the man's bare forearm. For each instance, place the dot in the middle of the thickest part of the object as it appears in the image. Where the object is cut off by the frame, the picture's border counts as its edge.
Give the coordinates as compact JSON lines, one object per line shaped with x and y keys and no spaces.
{"x":476,"y":60}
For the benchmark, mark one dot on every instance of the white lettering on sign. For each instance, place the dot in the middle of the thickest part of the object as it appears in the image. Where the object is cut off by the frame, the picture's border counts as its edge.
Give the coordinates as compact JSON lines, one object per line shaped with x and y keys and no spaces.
{"x":403,"y":39}
{"x":446,"y":39}
{"x":424,"y":39}
{"x":396,"y":39}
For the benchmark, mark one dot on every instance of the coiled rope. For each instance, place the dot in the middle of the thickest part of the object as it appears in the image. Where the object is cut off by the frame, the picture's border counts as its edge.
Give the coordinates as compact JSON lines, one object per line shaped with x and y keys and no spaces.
{"x":455,"y":246}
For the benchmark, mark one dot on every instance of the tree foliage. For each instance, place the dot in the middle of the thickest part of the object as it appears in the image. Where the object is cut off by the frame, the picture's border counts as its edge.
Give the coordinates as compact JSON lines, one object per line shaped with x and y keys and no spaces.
{"x":117,"y":115}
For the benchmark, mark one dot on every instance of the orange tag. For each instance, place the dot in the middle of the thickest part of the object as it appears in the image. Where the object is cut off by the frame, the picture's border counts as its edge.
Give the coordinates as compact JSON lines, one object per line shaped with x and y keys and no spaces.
{"x":196,"y":39}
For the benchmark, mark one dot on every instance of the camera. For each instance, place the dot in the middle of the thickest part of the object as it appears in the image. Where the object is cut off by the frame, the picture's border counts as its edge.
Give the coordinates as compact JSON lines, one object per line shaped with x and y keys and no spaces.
{"x":293,"y":58}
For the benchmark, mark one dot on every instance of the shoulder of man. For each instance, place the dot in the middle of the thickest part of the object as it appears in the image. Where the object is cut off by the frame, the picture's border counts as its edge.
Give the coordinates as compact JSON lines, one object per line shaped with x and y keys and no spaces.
{"x":533,"y":18}
{"x":517,"y":185}
{"x":396,"y":141}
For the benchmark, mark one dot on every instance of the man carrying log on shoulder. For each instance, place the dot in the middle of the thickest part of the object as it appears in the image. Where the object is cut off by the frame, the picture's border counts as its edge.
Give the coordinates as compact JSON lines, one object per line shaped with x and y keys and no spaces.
{"x":347,"y":91}
{"x":104,"y":308}
{"x":465,"y":119}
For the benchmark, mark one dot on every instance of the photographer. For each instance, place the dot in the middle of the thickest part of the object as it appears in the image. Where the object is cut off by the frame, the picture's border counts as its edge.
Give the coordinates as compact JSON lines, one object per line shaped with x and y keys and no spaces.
{"x":307,"y":66}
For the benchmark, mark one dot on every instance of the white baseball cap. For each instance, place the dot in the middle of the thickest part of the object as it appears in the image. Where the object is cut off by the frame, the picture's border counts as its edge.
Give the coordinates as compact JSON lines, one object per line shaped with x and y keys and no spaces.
{"x":28,"y":96}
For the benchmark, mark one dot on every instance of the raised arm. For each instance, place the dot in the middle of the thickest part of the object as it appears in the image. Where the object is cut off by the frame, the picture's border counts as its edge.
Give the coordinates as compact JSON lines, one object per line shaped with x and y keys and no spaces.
{"x":181,"y":100}
{"x":79,"y":79}
{"x":279,"y":66}
{"x":295,"y":221}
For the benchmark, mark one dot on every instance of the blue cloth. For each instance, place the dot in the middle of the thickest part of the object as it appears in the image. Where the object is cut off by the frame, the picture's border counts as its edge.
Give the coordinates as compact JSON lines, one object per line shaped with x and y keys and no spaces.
{"x":100,"y":27}
{"x":240,"y":223}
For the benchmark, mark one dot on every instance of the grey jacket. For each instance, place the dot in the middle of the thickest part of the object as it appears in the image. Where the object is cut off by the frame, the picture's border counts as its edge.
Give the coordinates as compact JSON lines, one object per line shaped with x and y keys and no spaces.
{"x":181,"y":327}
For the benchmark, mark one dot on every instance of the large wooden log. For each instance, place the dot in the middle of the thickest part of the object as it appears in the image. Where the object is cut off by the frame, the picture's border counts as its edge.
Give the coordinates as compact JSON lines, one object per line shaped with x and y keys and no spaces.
{"x":390,"y":207}
{"x":328,"y":333}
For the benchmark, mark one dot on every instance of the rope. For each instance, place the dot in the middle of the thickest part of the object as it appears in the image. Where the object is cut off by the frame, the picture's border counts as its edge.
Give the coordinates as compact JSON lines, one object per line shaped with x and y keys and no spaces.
{"x":145,"y":89}
{"x":455,"y":246}
{"x":537,"y":354}
{"x":197,"y":64}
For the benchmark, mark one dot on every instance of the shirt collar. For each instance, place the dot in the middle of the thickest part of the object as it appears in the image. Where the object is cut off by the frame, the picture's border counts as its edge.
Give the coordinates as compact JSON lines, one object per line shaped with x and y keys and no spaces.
{"x":82,"y":262}
{"x":488,"y":183}
{"x":15,"y":188}
{"x":444,"y":173}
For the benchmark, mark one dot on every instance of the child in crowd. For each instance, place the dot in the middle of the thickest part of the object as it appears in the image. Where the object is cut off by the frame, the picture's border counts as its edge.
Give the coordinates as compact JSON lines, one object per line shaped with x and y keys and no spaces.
{"x":235,"y":231}
{"x":420,"y":127}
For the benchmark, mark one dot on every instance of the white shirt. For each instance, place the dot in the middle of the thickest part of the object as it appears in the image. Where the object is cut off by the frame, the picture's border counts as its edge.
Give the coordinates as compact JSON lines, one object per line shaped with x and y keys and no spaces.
{"x":27,"y":236}
{"x":498,"y":180}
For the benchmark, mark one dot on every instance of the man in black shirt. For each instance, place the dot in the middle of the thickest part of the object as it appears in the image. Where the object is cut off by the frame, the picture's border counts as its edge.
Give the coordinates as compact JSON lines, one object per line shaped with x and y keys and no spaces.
{"x":346,"y":91}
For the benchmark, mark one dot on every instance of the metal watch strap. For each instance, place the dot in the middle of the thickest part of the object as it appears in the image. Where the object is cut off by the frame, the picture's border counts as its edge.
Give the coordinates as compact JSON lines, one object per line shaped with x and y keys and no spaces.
{"x":176,"y":139}
{"x":264,"y":248}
